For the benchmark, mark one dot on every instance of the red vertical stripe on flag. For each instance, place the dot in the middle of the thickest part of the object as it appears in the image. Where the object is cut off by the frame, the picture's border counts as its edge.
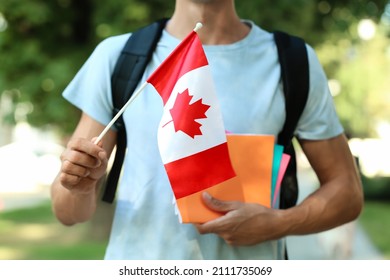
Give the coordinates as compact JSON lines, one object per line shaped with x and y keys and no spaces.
{"x":190,"y":174}
{"x":187,"y":56}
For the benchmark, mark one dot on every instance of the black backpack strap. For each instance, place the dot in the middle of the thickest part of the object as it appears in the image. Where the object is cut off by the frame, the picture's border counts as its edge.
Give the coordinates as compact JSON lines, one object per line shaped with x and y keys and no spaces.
{"x":295,"y":76}
{"x":128,"y":71}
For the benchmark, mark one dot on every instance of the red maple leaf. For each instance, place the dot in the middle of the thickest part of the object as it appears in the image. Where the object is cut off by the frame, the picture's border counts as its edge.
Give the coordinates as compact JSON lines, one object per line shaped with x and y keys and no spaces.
{"x":184,"y":114}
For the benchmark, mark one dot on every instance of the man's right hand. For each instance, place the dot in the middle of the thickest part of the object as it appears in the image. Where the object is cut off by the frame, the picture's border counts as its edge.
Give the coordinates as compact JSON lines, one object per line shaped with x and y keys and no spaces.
{"x":75,"y":190}
{"x":83,"y":164}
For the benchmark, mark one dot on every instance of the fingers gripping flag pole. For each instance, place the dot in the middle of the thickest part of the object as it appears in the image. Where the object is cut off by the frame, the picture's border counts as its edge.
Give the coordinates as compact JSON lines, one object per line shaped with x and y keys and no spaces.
{"x":133,"y":96}
{"x":191,"y":134}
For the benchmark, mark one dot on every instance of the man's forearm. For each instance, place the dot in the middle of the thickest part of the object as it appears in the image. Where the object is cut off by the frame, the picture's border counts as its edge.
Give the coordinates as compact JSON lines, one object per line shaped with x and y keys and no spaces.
{"x":71,"y":208}
{"x":331,"y":205}
{"x":340,"y":197}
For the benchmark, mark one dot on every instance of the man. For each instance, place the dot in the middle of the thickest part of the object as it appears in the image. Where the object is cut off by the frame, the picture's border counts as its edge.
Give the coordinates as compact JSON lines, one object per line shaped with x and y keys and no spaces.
{"x":245,"y":67}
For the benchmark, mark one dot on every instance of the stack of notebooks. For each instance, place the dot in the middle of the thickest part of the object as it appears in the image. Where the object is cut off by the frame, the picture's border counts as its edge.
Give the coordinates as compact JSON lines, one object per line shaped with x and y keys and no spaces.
{"x":260,"y":165}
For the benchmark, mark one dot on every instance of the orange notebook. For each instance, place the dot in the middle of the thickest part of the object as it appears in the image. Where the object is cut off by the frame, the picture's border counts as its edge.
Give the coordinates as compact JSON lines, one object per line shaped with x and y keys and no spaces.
{"x":251,"y":157}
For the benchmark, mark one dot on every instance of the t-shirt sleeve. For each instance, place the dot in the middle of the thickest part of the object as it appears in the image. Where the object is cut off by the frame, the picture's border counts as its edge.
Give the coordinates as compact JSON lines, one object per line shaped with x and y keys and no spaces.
{"x":90,"y":89}
{"x":319,"y":119}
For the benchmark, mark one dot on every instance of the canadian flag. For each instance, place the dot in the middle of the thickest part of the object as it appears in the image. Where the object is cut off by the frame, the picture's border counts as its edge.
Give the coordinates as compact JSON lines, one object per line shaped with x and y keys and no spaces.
{"x":191,"y":134}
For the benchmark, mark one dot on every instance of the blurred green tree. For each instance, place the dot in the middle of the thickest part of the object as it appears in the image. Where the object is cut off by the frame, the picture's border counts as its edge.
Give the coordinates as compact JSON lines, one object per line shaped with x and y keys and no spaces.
{"x":358,"y":66}
{"x":44,"y":43}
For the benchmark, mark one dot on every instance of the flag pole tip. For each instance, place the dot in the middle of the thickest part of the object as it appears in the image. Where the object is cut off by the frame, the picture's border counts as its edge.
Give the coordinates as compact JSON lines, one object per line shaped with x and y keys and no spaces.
{"x":198,"y":26}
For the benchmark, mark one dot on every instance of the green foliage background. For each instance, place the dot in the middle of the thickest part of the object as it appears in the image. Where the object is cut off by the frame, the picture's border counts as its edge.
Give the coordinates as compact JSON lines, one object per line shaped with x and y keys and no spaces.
{"x":44,"y":43}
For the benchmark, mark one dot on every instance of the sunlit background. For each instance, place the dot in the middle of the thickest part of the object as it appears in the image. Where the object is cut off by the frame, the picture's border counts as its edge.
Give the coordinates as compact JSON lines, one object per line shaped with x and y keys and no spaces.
{"x":44,"y":43}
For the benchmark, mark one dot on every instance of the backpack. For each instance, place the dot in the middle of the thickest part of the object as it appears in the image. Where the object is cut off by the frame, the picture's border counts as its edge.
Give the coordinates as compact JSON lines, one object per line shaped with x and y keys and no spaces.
{"x":134,"y":59}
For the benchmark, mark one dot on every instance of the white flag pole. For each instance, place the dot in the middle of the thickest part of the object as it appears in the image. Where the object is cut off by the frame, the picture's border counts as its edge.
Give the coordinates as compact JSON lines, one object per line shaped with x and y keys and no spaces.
{"x":100,"y":137}
{"x":198,"y":26}
{"x":116,"y":117}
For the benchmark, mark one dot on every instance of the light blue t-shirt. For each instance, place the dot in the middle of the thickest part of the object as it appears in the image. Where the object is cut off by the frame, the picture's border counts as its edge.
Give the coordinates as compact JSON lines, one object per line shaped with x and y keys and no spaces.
{"x":247,"y":79}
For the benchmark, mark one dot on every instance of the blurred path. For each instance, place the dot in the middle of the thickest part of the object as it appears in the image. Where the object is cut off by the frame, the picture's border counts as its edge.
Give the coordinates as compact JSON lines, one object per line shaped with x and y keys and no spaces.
{"x":11,"y":201}
{"x":28,"y":165}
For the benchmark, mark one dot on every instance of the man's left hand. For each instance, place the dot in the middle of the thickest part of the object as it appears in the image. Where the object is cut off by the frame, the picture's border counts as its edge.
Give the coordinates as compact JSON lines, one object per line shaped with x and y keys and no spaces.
{"x":242,"y":224}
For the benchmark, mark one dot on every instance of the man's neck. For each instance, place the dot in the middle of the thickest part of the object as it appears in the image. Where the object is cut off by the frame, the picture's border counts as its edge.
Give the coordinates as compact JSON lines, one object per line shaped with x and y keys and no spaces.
{"x":221,"y":24}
